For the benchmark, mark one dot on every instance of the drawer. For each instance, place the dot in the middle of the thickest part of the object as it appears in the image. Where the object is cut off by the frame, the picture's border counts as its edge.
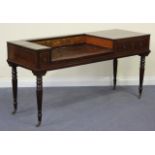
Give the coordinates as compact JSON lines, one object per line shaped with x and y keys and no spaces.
{"x":135,"y":44}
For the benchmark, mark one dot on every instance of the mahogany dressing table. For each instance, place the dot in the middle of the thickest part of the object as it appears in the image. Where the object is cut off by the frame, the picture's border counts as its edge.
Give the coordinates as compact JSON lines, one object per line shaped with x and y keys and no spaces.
{"x":42,"y":55}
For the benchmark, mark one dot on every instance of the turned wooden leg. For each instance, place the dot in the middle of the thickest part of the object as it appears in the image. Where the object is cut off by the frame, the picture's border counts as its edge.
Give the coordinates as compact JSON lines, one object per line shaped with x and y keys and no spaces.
{"x":39,"y":93}
{"x":141,"y":75}
{"x":14,"y":88}
{"x":115,"y":63}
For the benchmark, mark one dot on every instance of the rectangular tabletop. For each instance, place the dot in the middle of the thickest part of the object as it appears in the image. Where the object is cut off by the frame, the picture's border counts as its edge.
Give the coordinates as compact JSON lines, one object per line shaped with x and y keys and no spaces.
{"x":72,"y":50}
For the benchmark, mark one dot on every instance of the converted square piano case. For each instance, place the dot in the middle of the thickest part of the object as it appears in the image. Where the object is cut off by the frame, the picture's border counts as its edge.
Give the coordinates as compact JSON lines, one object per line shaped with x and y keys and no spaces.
{"x":42,"y":55}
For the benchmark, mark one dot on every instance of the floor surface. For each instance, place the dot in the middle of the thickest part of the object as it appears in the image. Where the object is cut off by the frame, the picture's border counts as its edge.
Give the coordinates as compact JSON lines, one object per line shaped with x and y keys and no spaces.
{"x":81,"y":109}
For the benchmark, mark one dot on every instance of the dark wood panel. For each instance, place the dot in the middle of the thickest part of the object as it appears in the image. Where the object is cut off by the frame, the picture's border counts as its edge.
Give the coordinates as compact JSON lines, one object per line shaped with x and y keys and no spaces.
{"x":29,"y":45}
{"x":22,"y":56}
{"x":116,"y":34}
{"x":139,"y":43}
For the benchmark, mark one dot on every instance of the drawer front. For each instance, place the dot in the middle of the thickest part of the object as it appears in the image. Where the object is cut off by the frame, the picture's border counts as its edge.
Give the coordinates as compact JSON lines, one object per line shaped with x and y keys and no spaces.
{"x":134,"y":44}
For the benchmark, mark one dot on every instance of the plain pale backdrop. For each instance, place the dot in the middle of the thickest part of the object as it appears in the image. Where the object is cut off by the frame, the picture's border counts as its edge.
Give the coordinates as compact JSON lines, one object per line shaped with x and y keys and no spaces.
{"x":87,"y":75}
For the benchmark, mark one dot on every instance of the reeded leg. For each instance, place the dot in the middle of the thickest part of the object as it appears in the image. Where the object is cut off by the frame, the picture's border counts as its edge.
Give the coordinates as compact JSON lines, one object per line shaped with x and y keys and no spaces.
{"x":141,"y":75}
{"x":115,"y":63}
{"x":14,"y":88}
{"x":39,"y":93}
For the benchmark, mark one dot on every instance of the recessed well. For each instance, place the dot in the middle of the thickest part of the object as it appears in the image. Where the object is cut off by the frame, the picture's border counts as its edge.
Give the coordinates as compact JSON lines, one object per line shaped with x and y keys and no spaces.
{"x":72,"y":47}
